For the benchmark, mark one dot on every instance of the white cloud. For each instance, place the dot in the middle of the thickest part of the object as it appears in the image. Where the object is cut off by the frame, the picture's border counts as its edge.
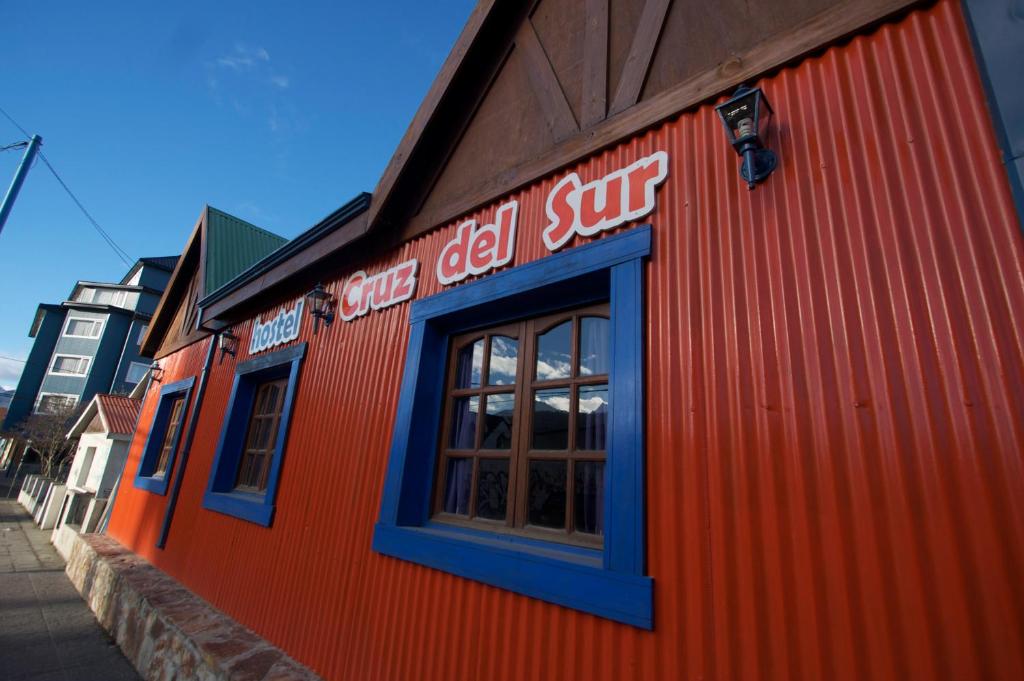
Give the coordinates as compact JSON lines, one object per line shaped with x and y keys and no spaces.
{"x":279,"y":81}
{"x":10,"y":372}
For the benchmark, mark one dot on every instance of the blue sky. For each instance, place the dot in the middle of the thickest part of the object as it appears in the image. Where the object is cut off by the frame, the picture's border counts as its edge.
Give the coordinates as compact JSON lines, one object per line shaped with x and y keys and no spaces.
{"x":275,"y":112}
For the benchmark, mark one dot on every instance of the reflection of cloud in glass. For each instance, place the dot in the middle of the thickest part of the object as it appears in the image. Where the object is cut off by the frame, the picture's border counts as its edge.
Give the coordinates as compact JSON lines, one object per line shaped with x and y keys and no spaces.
{"x":547,"y":370}
{"x":556,"y":402}
{"x":504,"y":354}
{"x":553,"y":352}
{"x":589,"y":405}
{"x":478,"y":361}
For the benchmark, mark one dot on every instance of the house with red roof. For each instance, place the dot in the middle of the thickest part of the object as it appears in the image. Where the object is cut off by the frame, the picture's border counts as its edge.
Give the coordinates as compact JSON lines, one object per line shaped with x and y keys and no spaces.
{"x":104,"y":431}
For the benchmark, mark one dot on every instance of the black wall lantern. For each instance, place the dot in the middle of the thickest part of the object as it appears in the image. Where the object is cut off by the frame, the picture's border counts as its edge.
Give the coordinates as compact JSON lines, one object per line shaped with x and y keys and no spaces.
{"x":321,"y":306}
{"x":156,"y":371}
{"x":228,"y":343}
{"x":745,"y":117}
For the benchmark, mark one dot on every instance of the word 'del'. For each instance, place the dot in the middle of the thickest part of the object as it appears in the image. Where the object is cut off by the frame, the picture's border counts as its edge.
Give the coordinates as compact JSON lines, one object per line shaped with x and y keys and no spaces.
{"x":617,"y":198}
{"x":476,"y":250}
{"x":281,"y":329}
{"x":363,"y":292}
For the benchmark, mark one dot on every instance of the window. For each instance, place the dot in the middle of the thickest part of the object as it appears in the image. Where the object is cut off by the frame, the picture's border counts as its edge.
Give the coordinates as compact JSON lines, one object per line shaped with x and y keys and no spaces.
{"x":142,"y":334}
{"x":523,"y":442}
{"x":519,"y":461}
{"x":80,"y":327}
{"x":161,"y":446}
{"x":247,"y":464}
{"x":55,"y":403}
{"x":104,"y":296}
{"x":83,"y":472}
{"x":136,"y":372}
{"x":70,"y":365}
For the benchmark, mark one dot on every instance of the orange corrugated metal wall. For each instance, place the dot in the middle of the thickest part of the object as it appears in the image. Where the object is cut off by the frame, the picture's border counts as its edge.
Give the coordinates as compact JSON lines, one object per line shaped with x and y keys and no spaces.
{"x":835,"y":418}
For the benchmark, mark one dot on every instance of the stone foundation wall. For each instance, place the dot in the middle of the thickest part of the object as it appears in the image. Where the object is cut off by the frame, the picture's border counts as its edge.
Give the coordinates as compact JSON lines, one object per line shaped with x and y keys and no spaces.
{"x":164,"y":629}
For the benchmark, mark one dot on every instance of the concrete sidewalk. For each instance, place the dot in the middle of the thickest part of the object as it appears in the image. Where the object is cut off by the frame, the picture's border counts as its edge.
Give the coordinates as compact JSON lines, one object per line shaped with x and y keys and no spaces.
{"x":47,"y":633}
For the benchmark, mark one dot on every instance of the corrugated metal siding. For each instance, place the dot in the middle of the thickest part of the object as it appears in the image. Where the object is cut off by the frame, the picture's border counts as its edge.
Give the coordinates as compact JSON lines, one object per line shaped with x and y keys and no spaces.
{"x":835,"y":431}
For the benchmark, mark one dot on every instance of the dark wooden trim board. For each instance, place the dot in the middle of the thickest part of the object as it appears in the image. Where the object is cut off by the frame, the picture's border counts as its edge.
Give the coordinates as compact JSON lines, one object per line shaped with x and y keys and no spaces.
{"x":831,"y":25}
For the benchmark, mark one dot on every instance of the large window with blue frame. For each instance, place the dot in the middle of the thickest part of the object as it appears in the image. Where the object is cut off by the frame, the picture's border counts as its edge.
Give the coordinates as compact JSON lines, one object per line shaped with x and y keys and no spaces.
{"x":161,"y":446}
{"x":249,"y":457}
{"x":531,"y":350}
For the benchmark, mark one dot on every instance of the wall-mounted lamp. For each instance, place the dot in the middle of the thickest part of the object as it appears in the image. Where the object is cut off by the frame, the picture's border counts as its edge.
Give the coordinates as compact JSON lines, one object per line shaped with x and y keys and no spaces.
{"x":321,"y":306}
{"x":228,"y":343}
{"x":156,"y":371}
{"x":745,"y":117}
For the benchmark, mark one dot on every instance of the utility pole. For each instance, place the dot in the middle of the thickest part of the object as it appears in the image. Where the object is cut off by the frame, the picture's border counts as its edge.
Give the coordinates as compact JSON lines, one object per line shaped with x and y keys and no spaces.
{"x":19,"y":178}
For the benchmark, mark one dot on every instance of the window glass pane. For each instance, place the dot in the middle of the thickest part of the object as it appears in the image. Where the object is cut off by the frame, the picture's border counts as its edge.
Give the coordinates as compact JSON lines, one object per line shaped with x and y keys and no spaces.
{"x":592,"y":417}
{"x":83,"y":327}
{"x":498,"y":422}
{"x":546,"y":502}
{"x":492,"y":489}
{"x":594,"y":350}
{"x":551,"y":419}
{"x":469,"y":364}
{"x":554,"y":352}
{"x":458,"y":477}
{"x":463,"y":433}
{"x":504,"y":353}
{"x":588,"y":502}
{"x":136,"y":370}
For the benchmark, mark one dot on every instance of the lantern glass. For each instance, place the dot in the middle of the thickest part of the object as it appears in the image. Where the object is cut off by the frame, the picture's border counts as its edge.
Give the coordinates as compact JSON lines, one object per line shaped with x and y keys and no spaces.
{"x":228,"y":343}
{"x":745,"y":117}
{"x":317,"y":300}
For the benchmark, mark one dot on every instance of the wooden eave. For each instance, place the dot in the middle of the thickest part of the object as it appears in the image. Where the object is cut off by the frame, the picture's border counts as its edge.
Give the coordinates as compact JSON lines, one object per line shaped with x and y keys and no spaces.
{"x":168,"y":305}
{"x":399,"y":193}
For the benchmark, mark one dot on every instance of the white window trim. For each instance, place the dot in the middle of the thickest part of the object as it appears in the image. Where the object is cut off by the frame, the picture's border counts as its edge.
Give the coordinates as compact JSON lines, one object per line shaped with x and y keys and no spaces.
{"x":67,"y":323}
{"x":40,"y":396}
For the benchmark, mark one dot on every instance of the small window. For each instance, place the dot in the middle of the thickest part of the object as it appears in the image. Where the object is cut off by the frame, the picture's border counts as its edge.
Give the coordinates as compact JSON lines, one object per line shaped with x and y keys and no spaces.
{"x":525,"y":428}
{"x":142,"y":334}
{"x":79,"y":327}
{"x":261,"y":439}
{"x":136,"y":372}
{"x":170,"y":434}
{"x":250,"y":455}
{"x":50,"y":403}
{"x":160,"y":450}
{"x":70,"y":365}
{"x":83,"y":472}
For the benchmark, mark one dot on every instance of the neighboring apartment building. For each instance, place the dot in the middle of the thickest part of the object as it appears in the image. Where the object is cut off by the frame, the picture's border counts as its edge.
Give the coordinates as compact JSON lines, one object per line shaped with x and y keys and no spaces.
{"x":89,"y":343}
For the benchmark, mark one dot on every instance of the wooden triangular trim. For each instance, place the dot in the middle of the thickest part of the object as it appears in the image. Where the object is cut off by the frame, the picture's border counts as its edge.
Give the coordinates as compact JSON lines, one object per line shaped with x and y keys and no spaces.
{"x":553,"y":104}
{"x":641,"y":51}
{"x":595,"y":64}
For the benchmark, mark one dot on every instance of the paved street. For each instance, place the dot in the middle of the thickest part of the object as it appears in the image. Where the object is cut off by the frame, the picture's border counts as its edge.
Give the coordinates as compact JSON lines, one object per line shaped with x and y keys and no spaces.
{"x":46,"y":630}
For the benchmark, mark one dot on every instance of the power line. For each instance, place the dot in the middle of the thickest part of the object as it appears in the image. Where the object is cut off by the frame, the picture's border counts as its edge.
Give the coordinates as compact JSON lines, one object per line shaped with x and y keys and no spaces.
{"x":118,"y":251}
{"x":14,"y":359}
{"x":15,"y":123}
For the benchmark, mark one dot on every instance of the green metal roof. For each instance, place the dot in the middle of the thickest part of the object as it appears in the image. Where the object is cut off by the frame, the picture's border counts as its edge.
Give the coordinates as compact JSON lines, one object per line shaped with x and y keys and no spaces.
{"x":232,"y":246}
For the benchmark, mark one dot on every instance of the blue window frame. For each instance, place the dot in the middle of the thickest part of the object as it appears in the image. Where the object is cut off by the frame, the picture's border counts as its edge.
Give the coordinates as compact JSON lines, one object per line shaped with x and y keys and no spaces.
{"x":221,"y":494}
{"x":609,"y":582}
{"x":147,"y":477}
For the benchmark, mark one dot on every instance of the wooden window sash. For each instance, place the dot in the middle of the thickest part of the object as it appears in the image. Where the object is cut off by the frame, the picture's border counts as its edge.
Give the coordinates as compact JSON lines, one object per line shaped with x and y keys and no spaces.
{"x":254,"y":466}
{"x":168,"y":440}
{"x":521,"y":451}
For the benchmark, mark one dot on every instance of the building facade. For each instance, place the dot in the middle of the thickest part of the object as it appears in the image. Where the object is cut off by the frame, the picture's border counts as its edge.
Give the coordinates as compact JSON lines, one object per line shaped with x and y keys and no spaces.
{"x":563,"y":398}
{"x":90,"y":342}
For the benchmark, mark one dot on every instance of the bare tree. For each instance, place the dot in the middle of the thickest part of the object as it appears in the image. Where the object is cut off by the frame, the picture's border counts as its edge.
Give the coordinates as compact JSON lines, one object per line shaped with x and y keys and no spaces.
{"x":46,"y":434}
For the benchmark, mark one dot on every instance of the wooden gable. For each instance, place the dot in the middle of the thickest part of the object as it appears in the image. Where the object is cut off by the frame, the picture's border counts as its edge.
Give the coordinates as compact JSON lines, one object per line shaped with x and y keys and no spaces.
{"x":532,"y":86}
